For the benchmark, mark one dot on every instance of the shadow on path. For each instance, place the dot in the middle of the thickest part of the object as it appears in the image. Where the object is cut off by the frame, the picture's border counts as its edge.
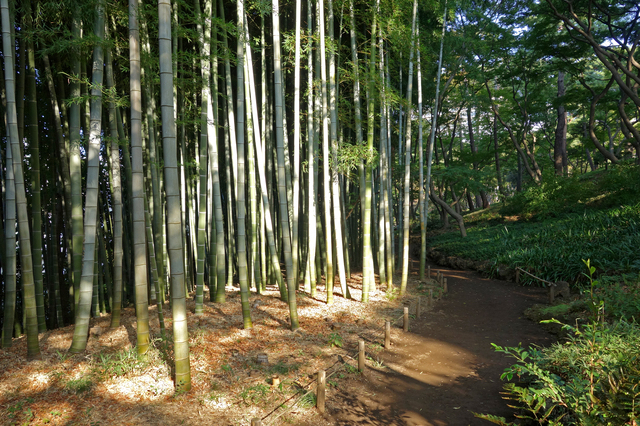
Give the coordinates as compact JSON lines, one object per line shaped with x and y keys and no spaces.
{"x":445,"y":368}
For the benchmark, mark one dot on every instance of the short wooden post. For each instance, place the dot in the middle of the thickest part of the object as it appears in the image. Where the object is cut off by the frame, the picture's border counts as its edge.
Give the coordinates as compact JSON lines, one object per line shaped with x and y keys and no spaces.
{"x":445,"y":288}
{"x":431,"y":298}
{"x":256,"y":422}
{"x":441,"y":279}
{"x":429,"y":271}
{"x":418,"y":307}
{"x":387,"y":335}
{"x":361,"y":356}
{"x":320,"y":393}
{"x":405,"y":324}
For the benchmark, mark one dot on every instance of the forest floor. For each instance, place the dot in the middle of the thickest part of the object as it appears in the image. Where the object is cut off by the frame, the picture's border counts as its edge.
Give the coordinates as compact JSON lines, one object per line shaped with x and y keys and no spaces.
{"x":438,"y":374}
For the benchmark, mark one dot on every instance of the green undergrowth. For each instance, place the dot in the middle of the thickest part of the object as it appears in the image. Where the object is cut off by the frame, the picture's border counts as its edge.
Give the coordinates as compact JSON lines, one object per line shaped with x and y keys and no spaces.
{"x":552,"y":249}
{"x":591,"y":378}
{"x":597,"y":190}
{"x":592,"y":375}
{"x":561,"y":310}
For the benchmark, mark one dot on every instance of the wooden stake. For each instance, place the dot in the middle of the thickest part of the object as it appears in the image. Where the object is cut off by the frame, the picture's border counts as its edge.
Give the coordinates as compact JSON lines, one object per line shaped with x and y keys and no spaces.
{"x":418,"y":307}
{"x":445,"y":288}
{"x":320,"y":393}
{"x":256,"y":422}
{"x":405,"y":324}
{"x":387,"y":335}
{"x":361,"y":356}
{"x":429,"y":272}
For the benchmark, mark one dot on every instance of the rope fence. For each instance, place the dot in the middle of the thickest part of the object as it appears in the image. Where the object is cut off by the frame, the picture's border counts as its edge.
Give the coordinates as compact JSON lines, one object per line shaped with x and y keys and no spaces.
{"x":321,"y":377}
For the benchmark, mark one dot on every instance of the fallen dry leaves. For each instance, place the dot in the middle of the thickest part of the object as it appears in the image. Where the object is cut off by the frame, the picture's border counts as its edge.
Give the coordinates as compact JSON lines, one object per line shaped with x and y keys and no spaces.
{"x":107,"y":385}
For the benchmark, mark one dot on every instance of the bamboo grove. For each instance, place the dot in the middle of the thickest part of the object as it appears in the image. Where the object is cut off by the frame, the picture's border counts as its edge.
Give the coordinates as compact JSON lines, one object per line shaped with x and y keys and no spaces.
{"x":157,"y":150}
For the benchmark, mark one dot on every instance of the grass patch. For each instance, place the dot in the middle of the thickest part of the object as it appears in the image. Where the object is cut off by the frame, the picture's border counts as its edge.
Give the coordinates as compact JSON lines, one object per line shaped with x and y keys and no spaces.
{"x":256,"y":394}
{"x":79,"y":385}
{"x":281,"y":368}
{"x":557,"y":310}
{"x":120,"y":363}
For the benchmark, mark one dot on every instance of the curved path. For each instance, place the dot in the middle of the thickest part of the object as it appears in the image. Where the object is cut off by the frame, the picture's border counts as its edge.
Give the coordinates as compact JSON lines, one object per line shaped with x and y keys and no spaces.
{"x":446,"y":368}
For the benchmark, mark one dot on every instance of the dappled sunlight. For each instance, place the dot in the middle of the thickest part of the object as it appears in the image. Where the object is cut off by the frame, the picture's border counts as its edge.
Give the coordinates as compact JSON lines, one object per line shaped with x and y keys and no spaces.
{"x":412,"y":417}
{"x":431,"y":361}
{"x":152,"y":386}
{"x":453,"y":275}
{"x":38,"y":380}
{"x":437,"y":364}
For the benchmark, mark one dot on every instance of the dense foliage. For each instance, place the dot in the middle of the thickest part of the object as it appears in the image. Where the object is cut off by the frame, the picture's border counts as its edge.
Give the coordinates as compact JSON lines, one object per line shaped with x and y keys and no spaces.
{"x":565,"y":226}
{"x":577,"y":193}
{"x":154,"y":149}
{"x":591,"y":379}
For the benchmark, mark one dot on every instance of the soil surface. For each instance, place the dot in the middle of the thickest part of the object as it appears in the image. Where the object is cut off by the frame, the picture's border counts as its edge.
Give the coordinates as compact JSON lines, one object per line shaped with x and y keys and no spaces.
{"x":438,"y":373}
{"x":445,"y":368}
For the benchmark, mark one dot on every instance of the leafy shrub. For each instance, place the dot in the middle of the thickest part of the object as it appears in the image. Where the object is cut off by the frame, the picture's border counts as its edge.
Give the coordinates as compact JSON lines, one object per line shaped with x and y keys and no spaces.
{"x":335,"y":340}
{"x":620,"y":185}
{"x":557,"y":195}
{"x":592,"y":379}
{"x":621,"y":295}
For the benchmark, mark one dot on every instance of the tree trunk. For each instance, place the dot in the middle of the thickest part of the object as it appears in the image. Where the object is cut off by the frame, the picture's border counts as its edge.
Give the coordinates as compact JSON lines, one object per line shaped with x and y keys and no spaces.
{"x":368,"y":279}
{"x":32,"y":135}
{"x":240,"y":177}
{"x":312,"y":147}
{"x":261,"y":163}
{"x":81,"y":330}
{"x":296,"y":150}
{"x":560,"y":146}
{"x":172,"y":189}
{"x":282,"y":190}
{"x":116,"y":201}
{"x":385,"y":150}
{"x":75,"y":166}
{"x":407,"y":164}
{"x":9,"y":260}
{"x":447,"y":208}
{"x":434,"y":119}
{"x":335,"y":186}
{"x":137,"y":184}
{"x":421,"y":203}
{"x":329,"y":277}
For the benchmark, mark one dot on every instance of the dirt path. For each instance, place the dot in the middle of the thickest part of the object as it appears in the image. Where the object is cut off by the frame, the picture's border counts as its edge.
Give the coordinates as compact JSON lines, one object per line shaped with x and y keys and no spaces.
{"x":446,"y":368}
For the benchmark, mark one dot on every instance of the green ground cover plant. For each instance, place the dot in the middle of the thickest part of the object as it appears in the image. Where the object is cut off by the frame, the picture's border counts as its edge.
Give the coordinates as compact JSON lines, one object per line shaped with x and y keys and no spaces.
{"x":552,"y":249}
{"x":592,"y":378}
{"x":557,"y":195}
